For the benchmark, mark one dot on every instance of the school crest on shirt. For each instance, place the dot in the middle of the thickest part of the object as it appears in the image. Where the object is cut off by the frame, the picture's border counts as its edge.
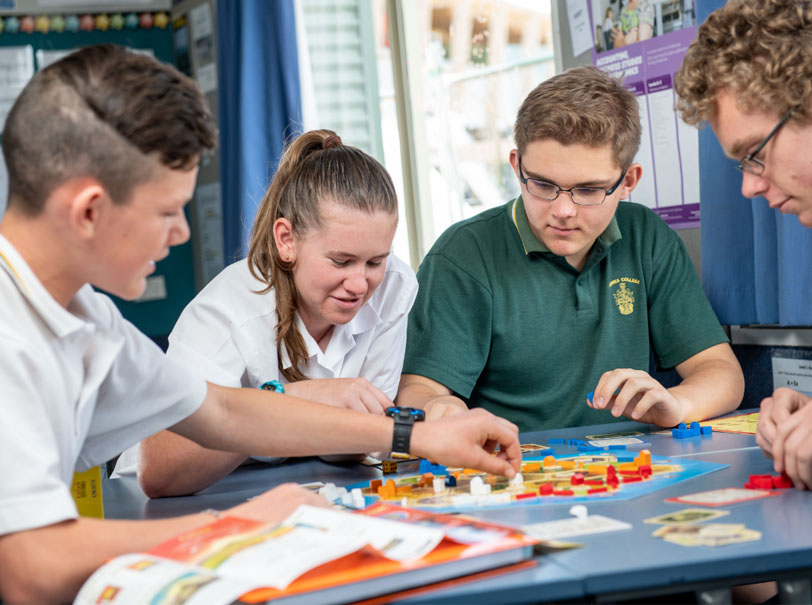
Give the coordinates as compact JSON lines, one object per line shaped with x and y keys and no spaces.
{"x":623,"y":293}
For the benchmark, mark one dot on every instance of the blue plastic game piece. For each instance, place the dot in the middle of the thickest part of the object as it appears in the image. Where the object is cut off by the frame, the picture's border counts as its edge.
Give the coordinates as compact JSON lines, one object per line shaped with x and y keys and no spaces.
{"x":707,"y":431}
{"x":683,"y":432}
{"x":590,"y":395}
{"x":556,"y":440}
{"x":425,"y":466}
{"x":617,"y":447}
{"x":451,"y":481}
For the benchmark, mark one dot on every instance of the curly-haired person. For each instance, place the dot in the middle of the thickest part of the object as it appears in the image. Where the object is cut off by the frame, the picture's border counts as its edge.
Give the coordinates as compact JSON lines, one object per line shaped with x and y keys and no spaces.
{"x":749,"y":74}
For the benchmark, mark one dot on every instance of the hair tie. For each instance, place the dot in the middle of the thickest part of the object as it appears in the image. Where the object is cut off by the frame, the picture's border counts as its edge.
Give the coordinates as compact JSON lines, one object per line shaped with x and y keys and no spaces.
{"x":332,"y":141}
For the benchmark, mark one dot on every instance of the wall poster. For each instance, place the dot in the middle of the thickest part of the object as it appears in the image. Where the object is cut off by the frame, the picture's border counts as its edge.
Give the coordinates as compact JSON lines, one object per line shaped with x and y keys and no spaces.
{"x":645,"y":41}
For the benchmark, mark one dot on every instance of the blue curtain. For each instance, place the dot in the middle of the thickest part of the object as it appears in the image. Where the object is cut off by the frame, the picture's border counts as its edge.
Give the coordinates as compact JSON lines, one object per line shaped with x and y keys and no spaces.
{"x":259,"y":106}
{"x":756,"y":262}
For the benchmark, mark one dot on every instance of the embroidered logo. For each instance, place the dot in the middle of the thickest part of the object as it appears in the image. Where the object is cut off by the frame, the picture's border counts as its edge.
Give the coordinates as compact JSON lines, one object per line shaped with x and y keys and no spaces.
{"x":623,"y":295}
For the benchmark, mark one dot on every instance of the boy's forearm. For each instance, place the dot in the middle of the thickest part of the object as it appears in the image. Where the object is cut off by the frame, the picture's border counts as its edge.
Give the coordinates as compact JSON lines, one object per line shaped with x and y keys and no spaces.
{"x":272,"y":424}
{"x":50,"y":564}
{"x":171,"y":465}
{"x":713,"y":389}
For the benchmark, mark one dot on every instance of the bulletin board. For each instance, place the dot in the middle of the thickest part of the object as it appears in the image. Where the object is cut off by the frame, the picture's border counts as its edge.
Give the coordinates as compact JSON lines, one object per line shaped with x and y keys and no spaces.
{"x":173,"y":283}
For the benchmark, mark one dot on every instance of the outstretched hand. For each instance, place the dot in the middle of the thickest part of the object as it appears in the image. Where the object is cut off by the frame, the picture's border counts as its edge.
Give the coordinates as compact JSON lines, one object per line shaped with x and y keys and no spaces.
{"x":636,"y":395}
{"x":784,"y":433}
{"x":469,"y":440}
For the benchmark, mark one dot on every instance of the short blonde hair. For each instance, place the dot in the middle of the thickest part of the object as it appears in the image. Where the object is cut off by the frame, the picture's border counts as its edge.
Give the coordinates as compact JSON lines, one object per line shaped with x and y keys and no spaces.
{"x":581,"y":106}
{"x":760,"y":50}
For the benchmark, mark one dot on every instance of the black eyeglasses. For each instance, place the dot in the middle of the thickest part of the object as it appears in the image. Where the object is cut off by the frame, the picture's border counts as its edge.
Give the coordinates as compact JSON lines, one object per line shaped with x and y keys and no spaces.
{"x":749,"y":163}
{"x":583,"y":196}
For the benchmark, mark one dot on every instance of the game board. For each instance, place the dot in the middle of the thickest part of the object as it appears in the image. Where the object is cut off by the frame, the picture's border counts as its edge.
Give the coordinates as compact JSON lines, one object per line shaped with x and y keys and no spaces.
{"x":544,"y":480}
{"x":743,"y":423}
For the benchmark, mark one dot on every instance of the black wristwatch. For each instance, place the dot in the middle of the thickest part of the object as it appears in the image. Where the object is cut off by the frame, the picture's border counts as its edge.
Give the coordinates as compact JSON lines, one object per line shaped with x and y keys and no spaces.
{"x":402,"y":433}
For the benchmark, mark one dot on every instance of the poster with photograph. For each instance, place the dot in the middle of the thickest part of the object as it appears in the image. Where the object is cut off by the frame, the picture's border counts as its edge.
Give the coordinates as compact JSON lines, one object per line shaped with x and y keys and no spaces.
{"x":644,"y":41}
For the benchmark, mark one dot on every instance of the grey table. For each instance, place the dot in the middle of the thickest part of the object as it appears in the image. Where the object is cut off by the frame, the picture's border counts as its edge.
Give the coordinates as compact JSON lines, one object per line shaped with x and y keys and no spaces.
{"x":611,"y":566}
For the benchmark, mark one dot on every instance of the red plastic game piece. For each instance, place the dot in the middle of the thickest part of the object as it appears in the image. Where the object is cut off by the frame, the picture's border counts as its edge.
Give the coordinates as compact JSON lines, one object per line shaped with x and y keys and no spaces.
{"x":645,"y":471}
{"x":628,"y":479}
{"x":593,"y":482}
{"x":596,"y":490}
{"x":545,"y":489}
{"x":525,"y":496}
{"x":759,"y":482}
{"x":781,"y":481}
{"x":563,"y":492}
{"x":577,"y":479}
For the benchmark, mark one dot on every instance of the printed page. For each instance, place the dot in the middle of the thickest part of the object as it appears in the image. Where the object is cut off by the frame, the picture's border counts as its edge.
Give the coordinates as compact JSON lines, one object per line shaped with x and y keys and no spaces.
{"x":140,"y":578}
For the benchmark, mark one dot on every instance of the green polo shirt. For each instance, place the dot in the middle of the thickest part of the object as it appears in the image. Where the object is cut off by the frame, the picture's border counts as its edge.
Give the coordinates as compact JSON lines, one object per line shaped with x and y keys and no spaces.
{"x":509,"y":326}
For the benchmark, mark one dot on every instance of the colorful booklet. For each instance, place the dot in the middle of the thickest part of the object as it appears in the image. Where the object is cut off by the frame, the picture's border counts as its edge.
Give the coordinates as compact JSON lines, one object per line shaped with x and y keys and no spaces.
{"x":317,"y":555}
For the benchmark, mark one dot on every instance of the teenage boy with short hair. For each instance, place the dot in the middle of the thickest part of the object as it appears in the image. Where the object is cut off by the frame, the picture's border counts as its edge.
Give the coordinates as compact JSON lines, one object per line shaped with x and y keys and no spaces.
{"x":102,"y":150}
{"x":526,"y":308}
{"x":747,"y":73}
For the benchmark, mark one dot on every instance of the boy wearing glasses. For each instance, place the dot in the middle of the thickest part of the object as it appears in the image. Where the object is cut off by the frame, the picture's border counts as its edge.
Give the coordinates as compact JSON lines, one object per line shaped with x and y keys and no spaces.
{"x":761,"y":112}
{"x":526,"y":308}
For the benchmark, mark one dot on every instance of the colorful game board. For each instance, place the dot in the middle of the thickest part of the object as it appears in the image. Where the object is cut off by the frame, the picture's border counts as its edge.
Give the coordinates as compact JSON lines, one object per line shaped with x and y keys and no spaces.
{"x":544,"y":480}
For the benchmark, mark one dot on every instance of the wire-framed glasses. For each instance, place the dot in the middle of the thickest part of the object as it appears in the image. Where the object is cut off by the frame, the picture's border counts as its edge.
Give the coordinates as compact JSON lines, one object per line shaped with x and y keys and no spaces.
{"x":750,"y":163}
{"x":583,"y":196}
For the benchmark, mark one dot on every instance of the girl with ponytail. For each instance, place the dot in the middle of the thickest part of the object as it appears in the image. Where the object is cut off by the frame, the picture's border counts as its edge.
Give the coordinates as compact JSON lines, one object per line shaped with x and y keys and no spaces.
{"x":317,"y":310}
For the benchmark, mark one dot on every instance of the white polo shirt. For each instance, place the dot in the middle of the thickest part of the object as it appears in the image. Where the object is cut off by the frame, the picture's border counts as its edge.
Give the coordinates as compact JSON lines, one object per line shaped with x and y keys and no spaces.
{"x":77,"y":386}
{"x":227,"y":335}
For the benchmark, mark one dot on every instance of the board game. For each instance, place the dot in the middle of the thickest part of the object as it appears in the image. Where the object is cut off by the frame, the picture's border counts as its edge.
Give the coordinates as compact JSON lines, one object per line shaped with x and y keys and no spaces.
{"x":544,"y":479}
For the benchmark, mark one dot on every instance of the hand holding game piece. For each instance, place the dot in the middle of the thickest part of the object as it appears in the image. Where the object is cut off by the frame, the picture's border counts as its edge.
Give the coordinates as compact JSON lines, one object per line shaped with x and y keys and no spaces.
{"x":352,"y":393}
{"x":774,"y":411}
{"x":792,"y":437}
{"x":468,"y":440}
{"x":637,"y":395}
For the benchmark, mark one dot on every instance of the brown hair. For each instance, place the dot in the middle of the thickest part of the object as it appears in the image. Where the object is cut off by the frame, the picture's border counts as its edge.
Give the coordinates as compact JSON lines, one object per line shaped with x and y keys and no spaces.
{"x":314,"y":167}
{"x":760,"y":50}
{"x":104,"y":112}
{"x":581,"y":106}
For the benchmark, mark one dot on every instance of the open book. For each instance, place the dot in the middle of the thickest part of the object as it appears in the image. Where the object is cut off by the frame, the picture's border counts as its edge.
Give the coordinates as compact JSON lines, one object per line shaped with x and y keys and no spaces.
{"x":317,"y":555}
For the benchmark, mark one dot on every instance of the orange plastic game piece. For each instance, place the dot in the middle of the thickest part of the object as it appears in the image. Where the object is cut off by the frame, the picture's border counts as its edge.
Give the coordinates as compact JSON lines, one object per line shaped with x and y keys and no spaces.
{"x":596,"y":469}
{"x":644,"y":458}
{"x":375,"y":484}
{"x":549,"y":461}
{"x":567,"y":465}
{"x":532,"y":467}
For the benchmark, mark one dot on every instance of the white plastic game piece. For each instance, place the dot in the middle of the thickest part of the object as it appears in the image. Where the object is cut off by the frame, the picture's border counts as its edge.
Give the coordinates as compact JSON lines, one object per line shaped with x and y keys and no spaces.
{"x":517,"y":482}
{"x":328,"y":492}
{"x":579,"y":511}
{"x":476,"y":486}
{"x":357,"y":497}
{"x":439,"y":485}
{"x":346,"y":499}
{"x":404,"y":502}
